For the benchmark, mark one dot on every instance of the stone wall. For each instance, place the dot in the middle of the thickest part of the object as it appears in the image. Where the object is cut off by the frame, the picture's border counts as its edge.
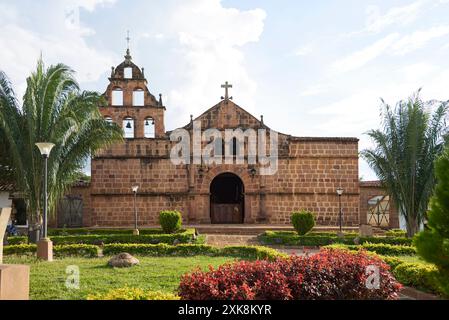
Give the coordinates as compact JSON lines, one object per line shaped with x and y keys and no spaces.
{"x":307,"y":179}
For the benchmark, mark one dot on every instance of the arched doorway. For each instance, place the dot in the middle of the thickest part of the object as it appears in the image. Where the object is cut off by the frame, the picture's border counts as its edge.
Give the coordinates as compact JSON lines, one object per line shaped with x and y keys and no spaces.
{"x":227,"y":199}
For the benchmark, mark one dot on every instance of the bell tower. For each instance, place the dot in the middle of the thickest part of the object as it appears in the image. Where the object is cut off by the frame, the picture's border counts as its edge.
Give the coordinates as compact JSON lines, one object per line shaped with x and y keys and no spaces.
{"x":130,"y":104}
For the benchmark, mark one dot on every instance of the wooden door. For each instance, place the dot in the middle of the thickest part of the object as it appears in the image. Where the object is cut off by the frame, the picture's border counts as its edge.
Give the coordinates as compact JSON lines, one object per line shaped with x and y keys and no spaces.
{"x":227,"y":213}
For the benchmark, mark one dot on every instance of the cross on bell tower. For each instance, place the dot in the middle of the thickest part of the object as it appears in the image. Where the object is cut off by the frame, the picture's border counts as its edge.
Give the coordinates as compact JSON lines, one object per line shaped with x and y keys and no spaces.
{"x":128,"y":54}
{"x":226,"y":86}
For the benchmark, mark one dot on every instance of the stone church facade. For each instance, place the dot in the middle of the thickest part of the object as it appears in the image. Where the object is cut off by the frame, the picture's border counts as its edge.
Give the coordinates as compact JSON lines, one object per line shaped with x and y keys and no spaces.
{"x":310,"y":169}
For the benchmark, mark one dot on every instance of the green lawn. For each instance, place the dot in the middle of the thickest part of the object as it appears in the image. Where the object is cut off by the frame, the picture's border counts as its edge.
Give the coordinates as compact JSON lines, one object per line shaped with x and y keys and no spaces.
{"x":154,"y":273}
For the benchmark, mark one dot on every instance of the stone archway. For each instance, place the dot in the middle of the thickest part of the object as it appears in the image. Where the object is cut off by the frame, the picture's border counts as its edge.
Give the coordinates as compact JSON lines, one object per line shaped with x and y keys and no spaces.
{"x":227,"y":200}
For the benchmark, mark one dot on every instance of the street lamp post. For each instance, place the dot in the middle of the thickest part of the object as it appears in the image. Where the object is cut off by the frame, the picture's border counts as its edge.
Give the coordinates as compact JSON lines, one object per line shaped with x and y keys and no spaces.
{"x":45,"y":246}
{"x":136,"y":230}
{"x":340,"y":220}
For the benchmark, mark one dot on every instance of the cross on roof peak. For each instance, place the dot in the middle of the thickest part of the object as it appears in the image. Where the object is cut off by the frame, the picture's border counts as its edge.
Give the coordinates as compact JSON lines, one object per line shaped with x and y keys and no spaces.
{"x":226,"y":86}
{"x":128,"y":39}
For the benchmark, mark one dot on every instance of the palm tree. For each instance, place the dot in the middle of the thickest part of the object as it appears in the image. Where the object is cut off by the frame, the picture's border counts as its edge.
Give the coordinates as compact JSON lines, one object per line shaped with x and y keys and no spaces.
{"x":54,"y":110}
{"x":410,"y":140}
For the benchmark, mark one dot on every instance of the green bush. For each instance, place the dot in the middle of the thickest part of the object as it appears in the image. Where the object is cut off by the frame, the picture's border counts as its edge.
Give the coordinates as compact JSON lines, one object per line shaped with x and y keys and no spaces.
{"x":393,"y":262}
{"x":379,"y":248}
{"x":186,"y":236}
{"x":248,"y":252}
{"x":87,"y":231}
{"x":132,"y":294}
{"x":303,"y":221}
{"x":396,"y":233}
{"x":76,"y":250}
{"x":290,"y":238}
{"x":20,"y":249}
{"x":389,"y":250}
{"x":17,"y":240}
{"x":170,"y":221}
{"x":418,"y":275}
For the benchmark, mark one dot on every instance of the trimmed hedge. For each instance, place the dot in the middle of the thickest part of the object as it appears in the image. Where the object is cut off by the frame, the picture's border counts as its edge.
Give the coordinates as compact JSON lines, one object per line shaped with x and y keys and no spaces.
{"x":249,"y":252}
{"x":155,"y":250}
{"x":182,"y":237}
{"x":75,"y":250}
{"x":418,"y":275}
{"x":290,"y":238}
{"x":379,"y":248}
{"x":17,"y":240}
{"x":19,"y":249}
{"x":132,"y":294}
{"x":86,"y":231}
{"x":396,"y":233}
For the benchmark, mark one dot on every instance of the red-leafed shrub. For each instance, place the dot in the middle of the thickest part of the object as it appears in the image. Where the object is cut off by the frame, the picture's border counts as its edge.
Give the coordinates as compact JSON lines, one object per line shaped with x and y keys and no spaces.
{"x":243,"y":280}
{"x":329,"y":274}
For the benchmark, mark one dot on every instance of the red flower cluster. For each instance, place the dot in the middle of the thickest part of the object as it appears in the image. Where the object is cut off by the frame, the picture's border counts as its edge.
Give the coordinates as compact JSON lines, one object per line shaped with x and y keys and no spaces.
{"x":329,"y":274}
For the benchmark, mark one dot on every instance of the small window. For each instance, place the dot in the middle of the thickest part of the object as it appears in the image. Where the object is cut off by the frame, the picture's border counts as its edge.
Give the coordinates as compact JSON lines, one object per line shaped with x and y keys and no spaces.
{"x":219,"y":147}
{"x":108,"y":119}
{"x":117,"y":97}
{"x":138,"y":98}
{"x":234,"y":146}
{"x":149,"y":128}
{"x":128,"y":73}
{"x":128,"y":128}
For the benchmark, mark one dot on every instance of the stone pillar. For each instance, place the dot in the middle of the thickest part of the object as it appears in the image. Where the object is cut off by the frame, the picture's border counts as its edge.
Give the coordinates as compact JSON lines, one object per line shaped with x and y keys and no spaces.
{"x":45,"y":249}
{"x":4,"y":218}
{"x":14,"y":279}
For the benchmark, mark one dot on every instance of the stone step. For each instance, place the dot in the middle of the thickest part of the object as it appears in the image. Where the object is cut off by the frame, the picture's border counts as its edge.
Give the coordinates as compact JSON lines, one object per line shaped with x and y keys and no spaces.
{"x":256,"y":229}
{"x":222,"y":240}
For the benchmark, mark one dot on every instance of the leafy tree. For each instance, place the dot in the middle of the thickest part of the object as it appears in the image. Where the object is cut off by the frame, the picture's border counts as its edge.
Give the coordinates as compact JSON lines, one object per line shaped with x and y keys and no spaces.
{"x":6,"y":174}
{"x":54,"y":109}
{"x":410,"y":140}
{"x":433,"y":243}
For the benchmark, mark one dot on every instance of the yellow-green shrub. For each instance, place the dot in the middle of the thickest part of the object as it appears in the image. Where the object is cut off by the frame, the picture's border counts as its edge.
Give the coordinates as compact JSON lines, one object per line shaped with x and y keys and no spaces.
{"x":132,"y":294}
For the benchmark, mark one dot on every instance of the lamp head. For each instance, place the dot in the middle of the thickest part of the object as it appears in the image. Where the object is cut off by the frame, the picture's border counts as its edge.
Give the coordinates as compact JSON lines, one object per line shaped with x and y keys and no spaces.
{"x":45,"y":148}
{"x":340,"y":191}
{"x":135,"y":188}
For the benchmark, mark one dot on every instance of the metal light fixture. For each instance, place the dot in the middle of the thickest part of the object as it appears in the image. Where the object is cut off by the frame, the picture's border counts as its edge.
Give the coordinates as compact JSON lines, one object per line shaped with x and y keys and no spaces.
{"x":252,"y":172}
{"x":136,"y":230}
{"x":340,"y":220}
{"x":340,"y":191}
{"x":45,"y":149}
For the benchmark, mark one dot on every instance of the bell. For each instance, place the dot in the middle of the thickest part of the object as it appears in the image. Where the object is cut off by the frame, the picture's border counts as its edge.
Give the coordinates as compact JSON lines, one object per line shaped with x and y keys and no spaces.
{"x":147,"y":123}
{"x":128,"y":125}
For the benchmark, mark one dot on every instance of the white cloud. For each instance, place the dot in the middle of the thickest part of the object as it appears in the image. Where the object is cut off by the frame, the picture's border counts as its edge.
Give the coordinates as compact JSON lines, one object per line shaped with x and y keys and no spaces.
{"x":314,"y":90}
{"x":403,"y":15}
{"x":89,"y":5}
{"x":304,"y":50}
{"x":211,"y":38}
{"x":419,"y":39}
{"x":365,"y":55}
{"x":22,"y":45}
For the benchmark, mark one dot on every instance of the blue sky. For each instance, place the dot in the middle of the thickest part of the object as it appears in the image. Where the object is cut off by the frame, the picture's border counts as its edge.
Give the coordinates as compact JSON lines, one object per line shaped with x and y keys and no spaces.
{"x":312,"y":68}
